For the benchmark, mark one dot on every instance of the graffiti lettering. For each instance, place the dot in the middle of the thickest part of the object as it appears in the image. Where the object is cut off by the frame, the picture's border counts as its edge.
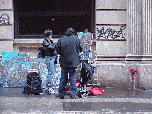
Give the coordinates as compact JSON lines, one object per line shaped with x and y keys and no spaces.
{"x":4,"y":19}
{"x":110,"y":33}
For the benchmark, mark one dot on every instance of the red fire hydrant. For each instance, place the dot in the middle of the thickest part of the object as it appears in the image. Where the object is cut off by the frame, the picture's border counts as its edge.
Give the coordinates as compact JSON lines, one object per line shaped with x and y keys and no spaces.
{"x":133,"y":71}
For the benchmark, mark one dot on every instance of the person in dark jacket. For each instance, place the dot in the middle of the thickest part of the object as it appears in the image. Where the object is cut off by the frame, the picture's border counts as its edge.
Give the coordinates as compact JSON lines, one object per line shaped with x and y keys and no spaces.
{"x":50,"y":55}
{"x":68,"y":47}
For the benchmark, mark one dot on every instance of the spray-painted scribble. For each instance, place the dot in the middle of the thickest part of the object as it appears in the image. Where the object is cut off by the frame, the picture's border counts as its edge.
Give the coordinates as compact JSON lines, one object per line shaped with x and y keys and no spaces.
{"x":4,"y":19}
{"x":110,"y":33}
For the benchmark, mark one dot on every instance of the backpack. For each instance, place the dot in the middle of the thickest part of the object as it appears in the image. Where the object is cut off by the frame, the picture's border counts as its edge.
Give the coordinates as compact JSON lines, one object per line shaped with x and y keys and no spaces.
{"x":33,"y":84}
{"x":41,"y":52}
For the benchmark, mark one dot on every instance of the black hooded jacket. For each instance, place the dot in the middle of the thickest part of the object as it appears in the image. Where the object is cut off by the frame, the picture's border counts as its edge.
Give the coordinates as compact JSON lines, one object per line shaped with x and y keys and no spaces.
{"x":68,"y":47}
{"x":50,"y":47}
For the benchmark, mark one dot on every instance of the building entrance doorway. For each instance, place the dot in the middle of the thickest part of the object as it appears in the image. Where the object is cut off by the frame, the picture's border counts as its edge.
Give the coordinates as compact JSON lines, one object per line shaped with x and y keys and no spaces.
{"x":33,"y":17}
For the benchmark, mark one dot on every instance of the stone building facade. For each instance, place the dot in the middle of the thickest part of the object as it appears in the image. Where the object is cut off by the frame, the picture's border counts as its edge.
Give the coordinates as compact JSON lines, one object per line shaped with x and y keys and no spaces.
{"x":122,"y":39}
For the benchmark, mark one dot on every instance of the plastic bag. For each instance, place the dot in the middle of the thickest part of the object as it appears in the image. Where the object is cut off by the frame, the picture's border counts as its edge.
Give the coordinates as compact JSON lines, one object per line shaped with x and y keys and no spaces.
{"x":96,"y":91}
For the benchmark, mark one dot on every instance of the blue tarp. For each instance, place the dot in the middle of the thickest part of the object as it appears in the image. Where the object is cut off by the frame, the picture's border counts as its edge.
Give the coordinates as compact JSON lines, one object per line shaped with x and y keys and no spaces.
{"x":14,"y":71}
{"x":8,"y":56}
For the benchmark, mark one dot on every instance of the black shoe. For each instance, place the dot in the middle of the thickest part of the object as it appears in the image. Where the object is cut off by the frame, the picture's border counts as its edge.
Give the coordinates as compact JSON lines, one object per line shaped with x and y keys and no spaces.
{"x":58,"y":96}
{"x":74,"y":97}
{"x":61,"y":97}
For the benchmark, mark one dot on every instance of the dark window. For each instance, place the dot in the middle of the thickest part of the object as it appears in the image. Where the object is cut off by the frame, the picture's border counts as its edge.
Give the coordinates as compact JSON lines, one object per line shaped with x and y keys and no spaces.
{"x":33,"y":17}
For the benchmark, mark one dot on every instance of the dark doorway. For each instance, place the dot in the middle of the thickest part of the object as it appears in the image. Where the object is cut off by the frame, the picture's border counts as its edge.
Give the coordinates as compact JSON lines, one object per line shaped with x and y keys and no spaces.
{"x":33,"y":17}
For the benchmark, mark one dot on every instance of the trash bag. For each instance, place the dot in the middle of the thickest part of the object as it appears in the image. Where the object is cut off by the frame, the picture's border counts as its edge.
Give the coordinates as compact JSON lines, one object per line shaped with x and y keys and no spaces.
{"x":33,"y":84}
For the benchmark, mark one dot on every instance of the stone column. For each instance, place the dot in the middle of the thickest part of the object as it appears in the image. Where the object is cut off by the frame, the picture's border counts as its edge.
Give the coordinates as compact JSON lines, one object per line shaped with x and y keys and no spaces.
{"x":145,"y":80}
{"x":140,"y":41}
{"x":146,"y":30}
{"x":134,"y":26}
{"x":134,"y":38}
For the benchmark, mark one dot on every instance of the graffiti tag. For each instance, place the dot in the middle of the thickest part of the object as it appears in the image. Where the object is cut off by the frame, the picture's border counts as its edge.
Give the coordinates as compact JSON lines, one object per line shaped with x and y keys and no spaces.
{"x":4,"y":19}
{"x":110,"y":33}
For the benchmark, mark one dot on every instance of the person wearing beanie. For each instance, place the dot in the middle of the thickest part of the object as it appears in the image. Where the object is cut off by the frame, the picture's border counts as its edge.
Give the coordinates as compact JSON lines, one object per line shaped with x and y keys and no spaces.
{"x":68,"y":47}
{"x":50,"y":55}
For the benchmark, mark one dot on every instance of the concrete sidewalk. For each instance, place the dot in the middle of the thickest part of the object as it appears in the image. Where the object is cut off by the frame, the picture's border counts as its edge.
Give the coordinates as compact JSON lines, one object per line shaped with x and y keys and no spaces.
{"x":115,"y":100}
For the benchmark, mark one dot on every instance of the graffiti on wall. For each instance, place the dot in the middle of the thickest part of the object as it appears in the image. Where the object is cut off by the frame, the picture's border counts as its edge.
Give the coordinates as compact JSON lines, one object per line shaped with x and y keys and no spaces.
{"x":4,"y":19}
{"x":110,"y":33}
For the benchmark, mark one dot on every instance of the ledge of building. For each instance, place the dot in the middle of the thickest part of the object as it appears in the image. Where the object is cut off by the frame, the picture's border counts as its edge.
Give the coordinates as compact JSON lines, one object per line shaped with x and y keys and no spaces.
{"x":31,"y":41}
{"x":5,"y":24}
{"x":6,"y":39}
{"x":139,"y":57}
{"x":128,"y":57}
{"x":111,"y":58}
{"x":111,"y":39}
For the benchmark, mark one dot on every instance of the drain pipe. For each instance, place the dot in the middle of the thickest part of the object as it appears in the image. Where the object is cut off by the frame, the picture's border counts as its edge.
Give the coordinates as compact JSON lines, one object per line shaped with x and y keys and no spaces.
{"x":133,"y":71}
